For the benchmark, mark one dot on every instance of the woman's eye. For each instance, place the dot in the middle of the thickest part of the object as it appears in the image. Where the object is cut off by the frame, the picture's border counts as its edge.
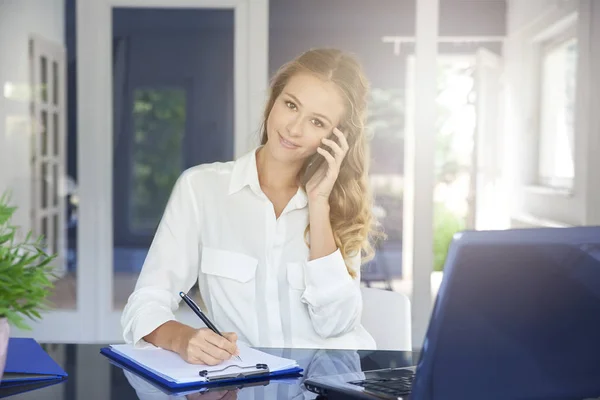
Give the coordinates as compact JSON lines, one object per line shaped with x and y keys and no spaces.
{"x":290,"y":105}
{"x":318,"y":123}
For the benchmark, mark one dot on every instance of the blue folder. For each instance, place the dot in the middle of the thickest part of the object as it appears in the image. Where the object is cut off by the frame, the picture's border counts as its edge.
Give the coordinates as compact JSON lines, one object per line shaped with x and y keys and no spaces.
{"x":174,"y":386}
{"x":27,"y":362}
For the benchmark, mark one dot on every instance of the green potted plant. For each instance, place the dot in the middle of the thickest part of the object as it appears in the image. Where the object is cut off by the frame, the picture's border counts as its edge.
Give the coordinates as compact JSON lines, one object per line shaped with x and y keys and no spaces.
{"x":25,"y":273}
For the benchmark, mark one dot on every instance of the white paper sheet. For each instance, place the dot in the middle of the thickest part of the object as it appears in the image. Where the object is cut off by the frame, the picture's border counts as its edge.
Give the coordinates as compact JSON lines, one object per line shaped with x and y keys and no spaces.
{"x":171,"y":366}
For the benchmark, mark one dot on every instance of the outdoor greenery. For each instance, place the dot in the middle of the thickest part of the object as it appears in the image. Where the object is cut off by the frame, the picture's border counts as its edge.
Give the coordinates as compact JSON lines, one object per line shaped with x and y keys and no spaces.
{"x":25,"y":272}
{"x":386,"y":112}
{"x":159,"y":128}
{"x":445,"y":225}
{"x":449,"y":163}
{"x":386,"y":124}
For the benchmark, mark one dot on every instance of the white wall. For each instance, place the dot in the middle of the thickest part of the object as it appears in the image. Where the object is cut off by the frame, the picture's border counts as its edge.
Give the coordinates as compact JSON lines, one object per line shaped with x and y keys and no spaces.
{"x":527,"y":19}
{"x":18,"y":20}
{"x":592,"y":144}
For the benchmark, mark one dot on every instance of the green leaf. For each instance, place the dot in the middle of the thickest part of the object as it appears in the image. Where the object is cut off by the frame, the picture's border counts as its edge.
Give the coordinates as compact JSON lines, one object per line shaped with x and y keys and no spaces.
{"x":25,"y":271}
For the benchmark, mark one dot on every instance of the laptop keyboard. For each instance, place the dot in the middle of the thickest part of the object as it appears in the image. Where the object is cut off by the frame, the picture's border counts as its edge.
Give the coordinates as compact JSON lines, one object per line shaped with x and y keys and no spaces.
{"x":397,"y":385}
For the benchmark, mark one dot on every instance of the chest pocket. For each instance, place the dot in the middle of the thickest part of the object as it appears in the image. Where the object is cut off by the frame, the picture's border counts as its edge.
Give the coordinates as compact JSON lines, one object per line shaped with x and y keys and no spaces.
{"x":230,"y":277}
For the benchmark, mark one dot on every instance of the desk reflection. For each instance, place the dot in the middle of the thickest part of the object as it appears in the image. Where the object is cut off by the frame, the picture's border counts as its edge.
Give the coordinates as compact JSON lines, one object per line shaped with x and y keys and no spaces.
{"x":313,"y":362}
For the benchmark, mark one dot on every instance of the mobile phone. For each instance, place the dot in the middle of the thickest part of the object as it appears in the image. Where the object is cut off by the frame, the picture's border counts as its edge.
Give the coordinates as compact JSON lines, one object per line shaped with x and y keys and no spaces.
{"x":316,"y":161}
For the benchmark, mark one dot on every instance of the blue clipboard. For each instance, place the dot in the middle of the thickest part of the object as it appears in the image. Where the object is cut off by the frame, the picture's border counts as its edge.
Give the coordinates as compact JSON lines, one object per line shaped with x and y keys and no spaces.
{"x":27,"y":362}
{"x":174,"y":386}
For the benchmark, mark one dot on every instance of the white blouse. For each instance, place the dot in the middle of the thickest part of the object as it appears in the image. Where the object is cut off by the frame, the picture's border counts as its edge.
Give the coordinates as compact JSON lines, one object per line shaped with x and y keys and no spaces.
{"x":252,"y":268}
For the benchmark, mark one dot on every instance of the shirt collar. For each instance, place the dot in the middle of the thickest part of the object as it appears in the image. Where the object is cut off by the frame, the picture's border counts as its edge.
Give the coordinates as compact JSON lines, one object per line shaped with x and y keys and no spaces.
{"x":245,"y":173}
{"x":301,"y":198}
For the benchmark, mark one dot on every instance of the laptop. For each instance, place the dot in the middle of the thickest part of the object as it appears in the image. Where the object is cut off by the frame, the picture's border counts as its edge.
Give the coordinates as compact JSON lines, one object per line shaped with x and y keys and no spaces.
{"x":517,"y":316}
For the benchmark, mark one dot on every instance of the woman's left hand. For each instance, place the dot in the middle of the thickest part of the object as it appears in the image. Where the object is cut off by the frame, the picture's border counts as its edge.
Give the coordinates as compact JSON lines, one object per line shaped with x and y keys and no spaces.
{"x":319,"y":187}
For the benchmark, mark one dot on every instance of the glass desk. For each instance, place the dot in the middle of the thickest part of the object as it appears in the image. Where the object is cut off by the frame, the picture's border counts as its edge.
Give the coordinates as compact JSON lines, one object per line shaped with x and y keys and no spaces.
{"x":92,"y":376}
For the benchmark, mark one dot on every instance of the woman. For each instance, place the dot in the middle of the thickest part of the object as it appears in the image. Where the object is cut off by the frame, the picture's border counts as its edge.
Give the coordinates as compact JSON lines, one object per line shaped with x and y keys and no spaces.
{"x":275,"y":238}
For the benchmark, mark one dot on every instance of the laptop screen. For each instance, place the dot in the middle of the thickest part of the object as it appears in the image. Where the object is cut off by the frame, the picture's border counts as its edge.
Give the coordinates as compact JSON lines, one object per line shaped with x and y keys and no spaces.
{"x":517,"y":309}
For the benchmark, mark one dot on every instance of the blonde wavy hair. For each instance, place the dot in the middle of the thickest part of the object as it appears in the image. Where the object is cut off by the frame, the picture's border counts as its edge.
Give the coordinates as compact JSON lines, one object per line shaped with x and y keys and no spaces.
{"x":354,"y":226}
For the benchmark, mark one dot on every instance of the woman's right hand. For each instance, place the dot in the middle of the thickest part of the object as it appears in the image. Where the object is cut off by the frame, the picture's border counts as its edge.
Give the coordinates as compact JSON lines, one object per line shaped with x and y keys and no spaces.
{"x":203,"y":346}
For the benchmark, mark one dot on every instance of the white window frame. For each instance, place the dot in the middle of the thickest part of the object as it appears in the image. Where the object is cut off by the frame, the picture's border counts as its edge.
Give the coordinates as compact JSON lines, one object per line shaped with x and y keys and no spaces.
{"x":541,"y":43}
{"x":531,"y":202}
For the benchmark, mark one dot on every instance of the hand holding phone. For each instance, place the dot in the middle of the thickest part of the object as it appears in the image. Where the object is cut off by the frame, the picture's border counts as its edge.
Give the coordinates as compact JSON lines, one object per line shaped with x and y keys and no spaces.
{"x":323,"y":167}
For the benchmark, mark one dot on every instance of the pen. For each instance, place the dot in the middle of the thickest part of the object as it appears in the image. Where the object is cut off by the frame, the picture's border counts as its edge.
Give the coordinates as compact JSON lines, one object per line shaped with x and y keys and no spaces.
{"x":188,"y":300}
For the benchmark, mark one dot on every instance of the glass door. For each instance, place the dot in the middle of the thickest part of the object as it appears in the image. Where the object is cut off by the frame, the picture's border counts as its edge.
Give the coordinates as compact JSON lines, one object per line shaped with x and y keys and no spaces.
{"x":175,"y":90}
{"x":172,"y":109}
{"x":52,"y":198}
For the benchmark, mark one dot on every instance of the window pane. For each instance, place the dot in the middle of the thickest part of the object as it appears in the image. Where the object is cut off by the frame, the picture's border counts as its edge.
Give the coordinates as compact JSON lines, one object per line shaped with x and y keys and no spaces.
{"x":55,"y":185}
{"x":44,"y":133}
{"x":55,"y":232}
{"x":557,"y":115}
{"x":386,"y":121}
{"x":55,"y":132}
{"x":44,"y":231}
{"x":55,"y":83}
{"x":44,"y":79}
{"x":44,"y":183}
{"x":452,"y":195}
